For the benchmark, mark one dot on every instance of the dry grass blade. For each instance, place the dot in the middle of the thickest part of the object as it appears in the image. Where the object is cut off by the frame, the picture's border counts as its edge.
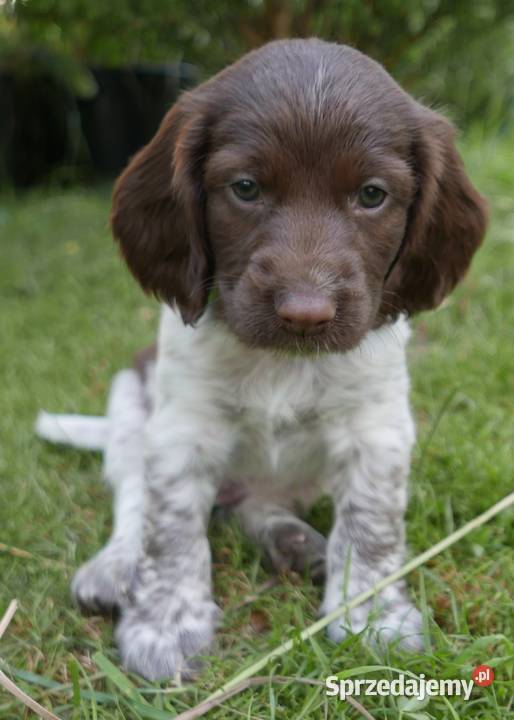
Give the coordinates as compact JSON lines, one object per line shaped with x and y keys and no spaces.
{"x":207,"y":705}
{"x":249,"y":599}
{"x":16,"y":552}
{"x":20,"y":553}
{"x":26,"y":699}
{"x":358,"y":706}
{"x":8,"y":616}
{"x":8,"y":684}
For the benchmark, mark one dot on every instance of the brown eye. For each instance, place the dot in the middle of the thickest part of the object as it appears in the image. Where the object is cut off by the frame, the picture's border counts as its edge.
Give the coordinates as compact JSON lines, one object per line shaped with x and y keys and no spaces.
{"x":246,"y":190}
{"x":371,"y":196}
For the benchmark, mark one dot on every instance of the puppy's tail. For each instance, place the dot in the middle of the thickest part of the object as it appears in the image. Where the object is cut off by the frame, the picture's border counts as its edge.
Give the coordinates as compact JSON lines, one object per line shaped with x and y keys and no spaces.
{"x":128,"y":408}
{"x":79,"y":431}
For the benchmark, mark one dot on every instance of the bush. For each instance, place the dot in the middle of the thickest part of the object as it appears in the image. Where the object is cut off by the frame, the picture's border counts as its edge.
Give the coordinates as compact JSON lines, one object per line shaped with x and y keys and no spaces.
{"x":457,"y":53}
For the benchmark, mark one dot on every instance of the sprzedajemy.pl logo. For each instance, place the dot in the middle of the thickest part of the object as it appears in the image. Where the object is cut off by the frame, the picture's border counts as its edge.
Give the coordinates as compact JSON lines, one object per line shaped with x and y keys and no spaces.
{"x":409,"y":686}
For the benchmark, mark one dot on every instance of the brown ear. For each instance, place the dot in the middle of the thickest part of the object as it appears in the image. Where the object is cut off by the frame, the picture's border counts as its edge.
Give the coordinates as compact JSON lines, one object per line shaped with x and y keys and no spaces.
{"x":158,"y":212}
{"x":446,"y":225}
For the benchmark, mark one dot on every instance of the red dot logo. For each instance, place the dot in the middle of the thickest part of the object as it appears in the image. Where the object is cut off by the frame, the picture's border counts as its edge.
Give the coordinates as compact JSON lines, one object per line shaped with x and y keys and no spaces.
{"x":482,"y":675}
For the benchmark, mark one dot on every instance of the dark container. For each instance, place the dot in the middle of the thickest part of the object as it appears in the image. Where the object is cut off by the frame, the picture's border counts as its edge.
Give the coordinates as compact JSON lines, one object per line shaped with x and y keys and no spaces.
{"x":127,"y":109}
{"x":37,"y":115}
{"x":45,"y":131}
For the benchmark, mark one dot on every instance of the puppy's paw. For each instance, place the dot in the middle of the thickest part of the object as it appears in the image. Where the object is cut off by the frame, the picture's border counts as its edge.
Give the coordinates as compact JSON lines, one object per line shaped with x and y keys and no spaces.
{"x":166,"y":647}
{"x":352,"y":622}
{"x":400,"y":625}
{"x":103,"y":584}
{"x":294,"y":545}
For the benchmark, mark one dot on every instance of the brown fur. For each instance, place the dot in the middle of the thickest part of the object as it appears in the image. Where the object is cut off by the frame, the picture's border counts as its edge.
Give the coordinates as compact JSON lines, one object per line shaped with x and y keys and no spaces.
{"x":311,"y":122}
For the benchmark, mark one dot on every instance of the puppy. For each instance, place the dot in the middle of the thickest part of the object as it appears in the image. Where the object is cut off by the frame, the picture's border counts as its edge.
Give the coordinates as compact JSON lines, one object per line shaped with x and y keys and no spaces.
{"x":291,"y":213}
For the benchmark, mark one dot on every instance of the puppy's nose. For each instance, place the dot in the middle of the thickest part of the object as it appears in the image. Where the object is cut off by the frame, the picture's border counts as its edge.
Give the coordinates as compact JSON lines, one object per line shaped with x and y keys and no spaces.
{"x":305,"y":312}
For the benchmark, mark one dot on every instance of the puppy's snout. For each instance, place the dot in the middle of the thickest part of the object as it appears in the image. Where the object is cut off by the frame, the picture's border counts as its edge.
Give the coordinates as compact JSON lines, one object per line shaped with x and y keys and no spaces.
{"x":305,"y":312}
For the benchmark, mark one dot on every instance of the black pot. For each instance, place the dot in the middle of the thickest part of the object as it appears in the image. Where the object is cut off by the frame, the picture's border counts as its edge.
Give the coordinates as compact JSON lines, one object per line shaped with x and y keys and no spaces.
{"x":37,"y":114}
{"x":127,"y":110}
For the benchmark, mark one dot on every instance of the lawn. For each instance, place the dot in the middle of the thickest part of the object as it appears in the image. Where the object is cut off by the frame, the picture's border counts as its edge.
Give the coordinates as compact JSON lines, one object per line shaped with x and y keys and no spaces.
{"x":71,"y":315}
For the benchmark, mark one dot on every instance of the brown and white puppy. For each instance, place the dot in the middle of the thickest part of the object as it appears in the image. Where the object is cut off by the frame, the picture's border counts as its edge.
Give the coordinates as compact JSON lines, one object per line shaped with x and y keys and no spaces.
{"x":290,"y":211}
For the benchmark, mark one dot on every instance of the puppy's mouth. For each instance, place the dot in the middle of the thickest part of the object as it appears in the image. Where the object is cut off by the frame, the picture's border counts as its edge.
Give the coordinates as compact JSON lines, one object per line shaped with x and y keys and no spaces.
{"x":303,"y":333}
{"x":307,"y":343}
{"x":304,"y":340}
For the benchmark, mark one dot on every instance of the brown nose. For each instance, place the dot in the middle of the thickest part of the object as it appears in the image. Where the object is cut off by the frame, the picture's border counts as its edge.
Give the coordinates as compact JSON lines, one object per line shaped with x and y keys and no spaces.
{"x":305,"y":312}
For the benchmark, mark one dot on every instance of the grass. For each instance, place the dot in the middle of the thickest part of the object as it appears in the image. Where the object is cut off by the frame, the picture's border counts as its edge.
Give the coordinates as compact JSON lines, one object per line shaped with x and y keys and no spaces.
{"x":71,"y":316}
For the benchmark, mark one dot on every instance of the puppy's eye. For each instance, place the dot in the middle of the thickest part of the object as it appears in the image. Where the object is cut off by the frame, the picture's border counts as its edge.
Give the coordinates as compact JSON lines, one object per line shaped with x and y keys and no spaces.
{"x":246,"y":190}
{"x":371,"y":196}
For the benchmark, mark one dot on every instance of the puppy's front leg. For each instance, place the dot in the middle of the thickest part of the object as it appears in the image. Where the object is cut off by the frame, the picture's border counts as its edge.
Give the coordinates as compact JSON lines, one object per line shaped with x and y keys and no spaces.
{"x":172,"y":617}
{"x":105,"y":581}
{"x":367,"y":541}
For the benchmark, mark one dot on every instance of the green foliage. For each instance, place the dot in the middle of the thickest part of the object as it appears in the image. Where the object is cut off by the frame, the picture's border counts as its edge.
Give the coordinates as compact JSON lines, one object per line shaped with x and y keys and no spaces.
{"x":458,"y":53}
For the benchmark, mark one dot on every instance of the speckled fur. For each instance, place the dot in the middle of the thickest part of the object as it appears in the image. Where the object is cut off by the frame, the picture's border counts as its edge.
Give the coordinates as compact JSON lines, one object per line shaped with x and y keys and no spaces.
{"x":290,"y":430}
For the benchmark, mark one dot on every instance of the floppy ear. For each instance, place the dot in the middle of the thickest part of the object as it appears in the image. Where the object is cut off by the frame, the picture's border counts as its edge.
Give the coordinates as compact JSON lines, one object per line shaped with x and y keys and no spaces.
{"x":157,"y":213}
{"x":446,"y":224}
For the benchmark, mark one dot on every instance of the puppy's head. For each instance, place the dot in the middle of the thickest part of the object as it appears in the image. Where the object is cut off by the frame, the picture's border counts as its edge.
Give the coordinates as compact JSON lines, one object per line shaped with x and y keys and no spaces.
{"x":303,"y":184}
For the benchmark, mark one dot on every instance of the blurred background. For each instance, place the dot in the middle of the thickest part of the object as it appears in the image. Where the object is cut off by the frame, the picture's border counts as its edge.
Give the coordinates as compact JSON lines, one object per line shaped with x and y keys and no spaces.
{"x":84,"y":84}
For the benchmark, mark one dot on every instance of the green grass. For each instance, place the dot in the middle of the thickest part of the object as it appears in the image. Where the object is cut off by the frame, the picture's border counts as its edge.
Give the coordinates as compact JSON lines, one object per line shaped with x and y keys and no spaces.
{"x":71,"y":315}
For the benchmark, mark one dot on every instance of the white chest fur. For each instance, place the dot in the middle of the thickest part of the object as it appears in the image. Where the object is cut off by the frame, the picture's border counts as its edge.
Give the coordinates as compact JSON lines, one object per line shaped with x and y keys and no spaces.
{"x":277,"y":423}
